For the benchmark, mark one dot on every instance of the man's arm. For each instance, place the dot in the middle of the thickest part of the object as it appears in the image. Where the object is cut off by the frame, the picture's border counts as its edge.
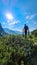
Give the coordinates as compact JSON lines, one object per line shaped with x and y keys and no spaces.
{"x":28,"y":31}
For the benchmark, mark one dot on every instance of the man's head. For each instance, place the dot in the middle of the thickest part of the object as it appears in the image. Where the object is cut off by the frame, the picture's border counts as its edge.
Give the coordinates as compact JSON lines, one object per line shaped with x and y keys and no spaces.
{"x":25,"y":24}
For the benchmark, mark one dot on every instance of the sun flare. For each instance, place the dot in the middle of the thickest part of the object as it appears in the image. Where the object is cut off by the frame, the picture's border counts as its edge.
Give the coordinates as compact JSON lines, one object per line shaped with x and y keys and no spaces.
{"x":9,"y":16}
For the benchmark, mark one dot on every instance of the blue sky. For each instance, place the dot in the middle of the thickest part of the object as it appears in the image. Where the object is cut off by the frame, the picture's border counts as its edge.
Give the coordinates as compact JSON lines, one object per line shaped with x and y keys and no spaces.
{"x":15,"y":13}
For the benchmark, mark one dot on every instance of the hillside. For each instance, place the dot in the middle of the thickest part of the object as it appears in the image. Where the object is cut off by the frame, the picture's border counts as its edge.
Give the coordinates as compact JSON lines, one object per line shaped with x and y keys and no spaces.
{"x":34,"y":32}
{"x":11,"y":31}
{"x":16,"y":50}
{"x":6,"y":31}
{"x":2,"y":32}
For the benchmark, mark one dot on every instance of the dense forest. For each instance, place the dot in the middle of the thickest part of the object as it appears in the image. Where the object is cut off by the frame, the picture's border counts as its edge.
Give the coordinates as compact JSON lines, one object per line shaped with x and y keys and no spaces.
{"x":16,"y":50}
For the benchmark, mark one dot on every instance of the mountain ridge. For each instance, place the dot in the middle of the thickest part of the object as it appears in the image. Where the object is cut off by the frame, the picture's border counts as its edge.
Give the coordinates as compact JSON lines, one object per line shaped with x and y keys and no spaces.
{"x":11,"y":31}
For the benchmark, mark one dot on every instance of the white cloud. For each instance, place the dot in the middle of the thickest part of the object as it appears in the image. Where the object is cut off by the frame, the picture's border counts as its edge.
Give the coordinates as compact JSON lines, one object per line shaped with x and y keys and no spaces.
{"x":10,"y":19}
{"x":27,"y":21}
{"x":27,"y":17}
{"x":4,"y":23}
{"x":34,"y":22}
{"x":30,"y":17}
{"x":13,"y":22}
{"x":20,"y":30}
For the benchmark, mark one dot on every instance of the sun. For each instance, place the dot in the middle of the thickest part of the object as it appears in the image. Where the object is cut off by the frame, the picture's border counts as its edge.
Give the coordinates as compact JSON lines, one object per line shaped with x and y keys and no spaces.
{"x":9,"y":16}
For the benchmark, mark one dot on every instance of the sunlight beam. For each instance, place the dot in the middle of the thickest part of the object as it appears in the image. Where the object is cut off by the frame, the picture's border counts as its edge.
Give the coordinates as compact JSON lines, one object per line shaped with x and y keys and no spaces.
{"x":9,"y":16}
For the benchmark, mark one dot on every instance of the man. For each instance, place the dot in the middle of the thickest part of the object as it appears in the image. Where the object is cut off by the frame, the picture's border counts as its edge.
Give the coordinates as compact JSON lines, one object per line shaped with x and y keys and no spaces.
{"x":26,"y":30}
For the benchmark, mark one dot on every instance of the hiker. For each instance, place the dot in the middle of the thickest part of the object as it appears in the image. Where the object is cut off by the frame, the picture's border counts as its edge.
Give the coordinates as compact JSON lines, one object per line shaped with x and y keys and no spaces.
{"x":26,"y":30}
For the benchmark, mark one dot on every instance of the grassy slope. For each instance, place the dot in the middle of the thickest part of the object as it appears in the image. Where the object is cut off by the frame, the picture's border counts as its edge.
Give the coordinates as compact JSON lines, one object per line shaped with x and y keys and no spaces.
{"x":16,"y":47}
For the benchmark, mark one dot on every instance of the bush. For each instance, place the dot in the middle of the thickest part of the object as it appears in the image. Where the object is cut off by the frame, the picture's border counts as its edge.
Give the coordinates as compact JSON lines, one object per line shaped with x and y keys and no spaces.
{"x":15,"y":48}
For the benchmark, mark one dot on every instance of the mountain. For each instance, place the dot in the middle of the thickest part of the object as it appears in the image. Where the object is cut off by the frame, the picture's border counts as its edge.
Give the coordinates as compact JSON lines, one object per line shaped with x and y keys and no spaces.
{"x":11,"y":31}
{"x":5,"y":31}
{"x":2,"y":32}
